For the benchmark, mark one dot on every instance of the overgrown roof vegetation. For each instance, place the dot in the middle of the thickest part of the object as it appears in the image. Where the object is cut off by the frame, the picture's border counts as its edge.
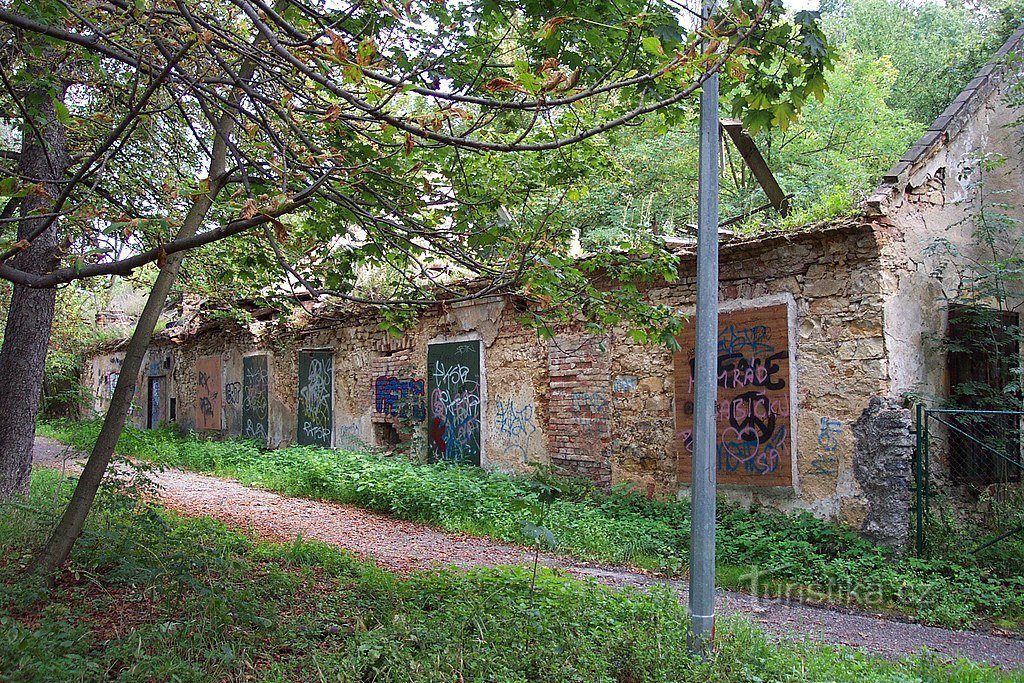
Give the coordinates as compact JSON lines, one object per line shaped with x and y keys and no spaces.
{"x":899,"y":65}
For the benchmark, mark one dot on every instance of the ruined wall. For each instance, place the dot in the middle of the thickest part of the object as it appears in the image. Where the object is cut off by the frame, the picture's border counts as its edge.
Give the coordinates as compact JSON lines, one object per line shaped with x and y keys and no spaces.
{"x":595,"y":406}
{"x":830,"y":283}
{"x":933,"y":195}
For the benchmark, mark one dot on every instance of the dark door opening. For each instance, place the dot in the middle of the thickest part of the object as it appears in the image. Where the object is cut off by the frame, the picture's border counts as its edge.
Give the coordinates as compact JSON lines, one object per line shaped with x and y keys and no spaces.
{"x":984,"y":357}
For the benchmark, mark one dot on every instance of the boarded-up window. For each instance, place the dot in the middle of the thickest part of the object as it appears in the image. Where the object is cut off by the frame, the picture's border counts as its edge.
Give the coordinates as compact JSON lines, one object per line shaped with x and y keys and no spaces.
{"x":208,"y":393}
{"x":316,"y":401}
{"x":453,"y":406}
{"x":255,"y":411}
{"x":754,"y":430}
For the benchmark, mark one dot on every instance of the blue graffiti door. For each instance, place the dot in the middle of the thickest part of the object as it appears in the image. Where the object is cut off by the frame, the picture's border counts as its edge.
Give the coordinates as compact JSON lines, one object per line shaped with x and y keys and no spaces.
{"x":453,"y":402}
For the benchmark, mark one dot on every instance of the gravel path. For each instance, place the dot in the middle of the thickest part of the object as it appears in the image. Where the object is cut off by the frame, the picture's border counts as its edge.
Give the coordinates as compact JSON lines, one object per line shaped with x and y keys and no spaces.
{"x":402,"y":546}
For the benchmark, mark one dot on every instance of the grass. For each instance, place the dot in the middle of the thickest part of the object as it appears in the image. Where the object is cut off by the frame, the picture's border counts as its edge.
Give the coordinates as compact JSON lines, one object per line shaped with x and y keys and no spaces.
{"x":759,"y":550}
{"x":150,"y":596}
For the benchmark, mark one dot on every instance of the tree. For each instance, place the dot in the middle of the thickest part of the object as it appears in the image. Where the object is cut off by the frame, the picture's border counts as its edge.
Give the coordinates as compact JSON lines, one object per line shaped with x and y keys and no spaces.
{"x":935,"y":47}
{"x":346,"y":134}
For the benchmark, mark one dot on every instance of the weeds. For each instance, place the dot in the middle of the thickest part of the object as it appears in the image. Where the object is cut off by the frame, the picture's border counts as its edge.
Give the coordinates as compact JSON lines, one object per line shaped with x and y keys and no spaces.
{"x":759,"y":550}
{"x":149,"y":595}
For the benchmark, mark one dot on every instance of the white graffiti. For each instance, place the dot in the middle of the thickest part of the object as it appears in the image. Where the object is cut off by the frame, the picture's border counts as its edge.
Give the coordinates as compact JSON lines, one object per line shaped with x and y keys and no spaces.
{"x":255,"y":430}
{"x":515,"y":425}
{"x":315,"y":432}
{"x":451,"y":375}
{"x":316,"y":395}
{"x":254,"y":391}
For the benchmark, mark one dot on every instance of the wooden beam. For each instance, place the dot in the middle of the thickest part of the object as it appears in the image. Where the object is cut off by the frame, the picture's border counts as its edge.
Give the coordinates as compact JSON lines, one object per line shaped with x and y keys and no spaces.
{"x":758,"y":166}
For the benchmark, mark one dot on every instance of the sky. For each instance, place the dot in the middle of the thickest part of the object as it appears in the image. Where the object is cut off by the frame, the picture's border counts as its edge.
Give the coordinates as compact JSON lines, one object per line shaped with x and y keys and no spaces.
{"x":797,"y":5}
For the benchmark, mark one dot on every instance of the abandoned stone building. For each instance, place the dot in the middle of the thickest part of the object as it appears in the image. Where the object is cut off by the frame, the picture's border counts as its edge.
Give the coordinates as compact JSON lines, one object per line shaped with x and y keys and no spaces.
{"x":824,"y":330}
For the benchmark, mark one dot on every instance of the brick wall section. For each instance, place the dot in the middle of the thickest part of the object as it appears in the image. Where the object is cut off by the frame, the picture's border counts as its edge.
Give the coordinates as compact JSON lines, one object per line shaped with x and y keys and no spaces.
{"x":579,"y":406}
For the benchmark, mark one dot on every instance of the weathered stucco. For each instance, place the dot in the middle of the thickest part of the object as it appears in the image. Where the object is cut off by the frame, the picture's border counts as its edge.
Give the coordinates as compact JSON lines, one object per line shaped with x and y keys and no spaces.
{"x":933,"y":195}
{"x":594,"y":406}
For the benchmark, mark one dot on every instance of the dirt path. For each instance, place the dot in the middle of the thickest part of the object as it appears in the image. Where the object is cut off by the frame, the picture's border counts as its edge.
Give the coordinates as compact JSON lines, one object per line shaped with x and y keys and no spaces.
{"x":402,"y":546}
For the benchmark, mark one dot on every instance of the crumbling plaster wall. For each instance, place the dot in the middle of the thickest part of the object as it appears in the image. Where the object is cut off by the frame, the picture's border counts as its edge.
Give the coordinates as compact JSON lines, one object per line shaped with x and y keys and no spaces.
{"x":934,"y":195}
{"x":602,"y":406}
{"x":831,"y":280}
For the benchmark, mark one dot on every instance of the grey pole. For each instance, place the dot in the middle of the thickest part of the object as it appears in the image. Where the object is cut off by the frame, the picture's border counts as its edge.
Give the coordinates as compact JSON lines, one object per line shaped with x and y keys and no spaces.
{"x":702,"y":533}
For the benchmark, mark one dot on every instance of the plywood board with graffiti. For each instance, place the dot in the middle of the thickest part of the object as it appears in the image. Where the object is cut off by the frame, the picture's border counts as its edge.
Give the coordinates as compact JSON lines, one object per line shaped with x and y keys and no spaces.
{"x":453,"y":401}
{"x":316,"y":400}
{"x":754,"y":426}
{"x":208,"y":397}
{"x":254,"y":398}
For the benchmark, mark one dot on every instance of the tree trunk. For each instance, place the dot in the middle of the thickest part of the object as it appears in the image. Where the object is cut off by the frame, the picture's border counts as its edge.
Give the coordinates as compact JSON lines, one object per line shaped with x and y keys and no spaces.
{"x":27,"y":334}
{"x":63,"y":538}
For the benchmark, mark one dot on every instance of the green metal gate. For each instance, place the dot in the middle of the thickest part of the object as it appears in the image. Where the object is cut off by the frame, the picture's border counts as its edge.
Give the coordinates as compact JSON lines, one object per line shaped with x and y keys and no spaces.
{"x":968,"y":459}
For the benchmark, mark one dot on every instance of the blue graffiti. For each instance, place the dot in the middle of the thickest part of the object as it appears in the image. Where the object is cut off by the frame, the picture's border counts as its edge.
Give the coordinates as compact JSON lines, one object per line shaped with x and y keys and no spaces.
{"x":515,"y":425}
{"x":401,"y":398}
{"x":754,"y":456}
{"x":589,"y":401}
{"x":744,"y":339}
{"x":827,"y":461}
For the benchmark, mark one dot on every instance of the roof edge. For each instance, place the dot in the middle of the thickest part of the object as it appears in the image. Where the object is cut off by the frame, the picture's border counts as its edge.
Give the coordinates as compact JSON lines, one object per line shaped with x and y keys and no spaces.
{"x":947,"y":125}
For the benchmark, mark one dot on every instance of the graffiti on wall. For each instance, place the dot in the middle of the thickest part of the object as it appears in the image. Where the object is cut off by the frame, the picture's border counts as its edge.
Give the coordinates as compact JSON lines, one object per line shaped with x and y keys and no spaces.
{"x":514,"y":426}
{"x":153,"y":413}
{"x":232,"y":393}
{"x":754,"y":427}
{"x":453,"y":386}
{"x":316,"y":403}
{"x":624,"y":384}
{"x":350,"y":435}
{"x":108,"y":382}
{"x":826,"y":461}
{"x":403,"y":398}
{"x":208,"y":394}
{"x":255,"y":411}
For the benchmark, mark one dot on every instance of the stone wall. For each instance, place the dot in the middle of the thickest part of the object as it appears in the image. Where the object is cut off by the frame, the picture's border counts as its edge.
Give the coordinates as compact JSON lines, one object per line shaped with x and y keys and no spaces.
{"x":595,"y":406}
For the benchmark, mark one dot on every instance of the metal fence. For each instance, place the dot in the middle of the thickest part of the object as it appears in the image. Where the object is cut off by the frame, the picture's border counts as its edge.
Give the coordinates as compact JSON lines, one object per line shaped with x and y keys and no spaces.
{"x":969,"y":462}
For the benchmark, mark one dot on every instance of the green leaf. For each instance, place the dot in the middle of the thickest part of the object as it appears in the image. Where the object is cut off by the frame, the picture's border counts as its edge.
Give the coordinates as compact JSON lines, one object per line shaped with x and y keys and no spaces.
{"x":652,"y":45}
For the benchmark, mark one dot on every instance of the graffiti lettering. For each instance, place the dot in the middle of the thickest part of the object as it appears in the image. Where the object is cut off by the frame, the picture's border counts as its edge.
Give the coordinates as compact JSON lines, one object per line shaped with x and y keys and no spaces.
{"x":316,"y":433}
{"x":515,"y":426}
{"x":401,"y":398}
{"x":208,"y":395}
{"x":589,"y":401}
{"x":254,"y":398}
{"x":624,"y":385}
{"x":316,"y":395}
{"x":448,"y":375}
{"x":255,"y":430}
{"x":826,"y":463}
{"x":254,"y":394}
{"x":753,"y":410}
{"x":454,"y":402}
{"x":232,"y":393}
{"x":753,"y":340}
{"x":109,"y":383}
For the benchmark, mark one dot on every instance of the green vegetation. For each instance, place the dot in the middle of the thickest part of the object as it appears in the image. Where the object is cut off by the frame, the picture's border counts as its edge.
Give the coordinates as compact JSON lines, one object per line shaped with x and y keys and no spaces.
{"x":762,"y":550}
{"x":898,"y":64}
{"x":151,"y":596}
